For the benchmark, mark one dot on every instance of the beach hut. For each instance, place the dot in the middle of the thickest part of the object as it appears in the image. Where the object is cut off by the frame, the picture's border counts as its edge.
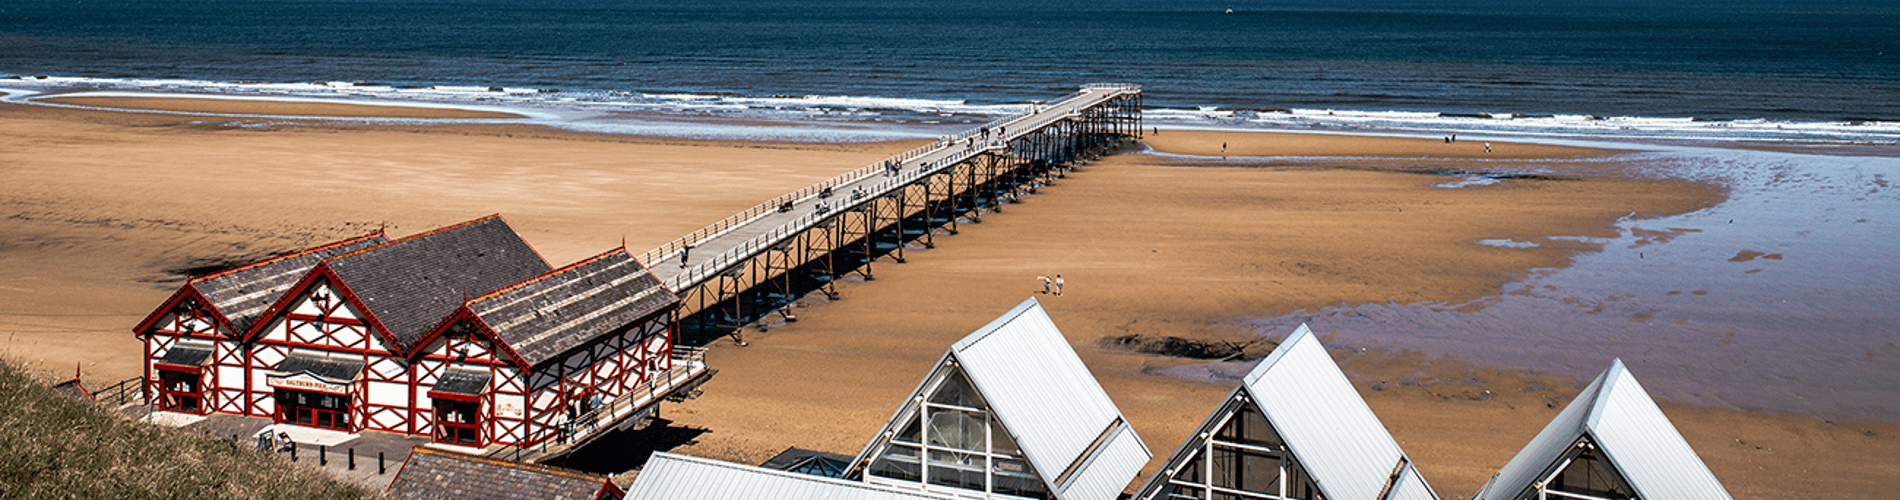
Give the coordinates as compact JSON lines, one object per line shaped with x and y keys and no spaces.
{"x":1612,"y":442}
{"x":1008,"y":411}
{"x":1293,"y":428}
{"x":430,"y":474}
{"x":195,"y":361}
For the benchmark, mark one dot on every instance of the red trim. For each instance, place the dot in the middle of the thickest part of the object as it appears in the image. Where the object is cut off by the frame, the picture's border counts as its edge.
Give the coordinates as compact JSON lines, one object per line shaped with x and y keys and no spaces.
{"x":322,"y":272}
{"x":466,"y":398}
{"x":188,"y":291}
{"x":464,"y":313}
{"x":326,"y":319}
{"x":326,"y":246}
{"x":331,"y":348}
{"x":191,"y":286}
{"x":178,"y":368}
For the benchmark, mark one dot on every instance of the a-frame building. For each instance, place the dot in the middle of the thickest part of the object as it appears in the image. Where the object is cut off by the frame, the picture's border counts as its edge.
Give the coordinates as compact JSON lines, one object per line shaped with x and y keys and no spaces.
{"x":1613,"y":443}
{"x":1293,"y":429}
{"x":195,"y":359}
{"x":1009,"y":412}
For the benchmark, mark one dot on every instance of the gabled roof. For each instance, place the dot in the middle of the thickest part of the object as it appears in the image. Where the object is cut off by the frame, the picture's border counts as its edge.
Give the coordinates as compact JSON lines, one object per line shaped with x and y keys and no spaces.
{"x":1616,"y":415}
{"x":1072,"y":434}
{"x":679,"y":477}
{"x":410,"y":284}
{"x":240,"y":295}
{"x":550,"y":314}
{"x":445,"y":475}
{"x":1326,"y":427}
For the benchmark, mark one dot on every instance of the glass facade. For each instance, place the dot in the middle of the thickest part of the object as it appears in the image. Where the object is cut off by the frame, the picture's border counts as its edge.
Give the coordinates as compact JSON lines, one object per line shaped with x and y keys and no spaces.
{"x":1244,"y":459}
{"x":952,"y":440}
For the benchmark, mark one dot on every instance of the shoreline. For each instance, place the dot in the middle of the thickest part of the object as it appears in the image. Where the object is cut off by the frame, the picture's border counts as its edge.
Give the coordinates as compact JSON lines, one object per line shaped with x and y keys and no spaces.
{"x":94,"y":236}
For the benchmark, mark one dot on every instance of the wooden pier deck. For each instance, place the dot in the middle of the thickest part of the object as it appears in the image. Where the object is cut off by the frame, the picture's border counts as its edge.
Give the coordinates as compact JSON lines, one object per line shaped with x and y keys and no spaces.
{"x":689,"y":261}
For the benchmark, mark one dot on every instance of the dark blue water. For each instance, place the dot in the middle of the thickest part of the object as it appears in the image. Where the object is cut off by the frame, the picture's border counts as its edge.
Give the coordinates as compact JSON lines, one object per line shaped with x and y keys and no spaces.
{"x":1802,"y":61}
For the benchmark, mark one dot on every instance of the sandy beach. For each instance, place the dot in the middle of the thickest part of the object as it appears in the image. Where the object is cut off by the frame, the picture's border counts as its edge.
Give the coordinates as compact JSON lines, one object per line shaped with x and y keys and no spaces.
{"x":105,"y":210}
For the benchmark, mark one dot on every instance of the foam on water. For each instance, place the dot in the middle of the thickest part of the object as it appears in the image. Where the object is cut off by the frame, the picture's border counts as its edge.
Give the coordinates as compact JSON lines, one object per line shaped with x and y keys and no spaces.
{"x":1509,"y":125}
{"x":910,"y":111}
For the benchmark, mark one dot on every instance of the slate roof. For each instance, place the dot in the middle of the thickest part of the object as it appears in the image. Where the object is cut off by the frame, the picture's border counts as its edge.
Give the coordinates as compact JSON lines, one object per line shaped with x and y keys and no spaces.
{"x":244,"y":293}
{"x":436,"y":474}
{"x":550,"y":314}
{"x":183,"y":354}
{"x":456,"y":381}
{"x":1618,"y":415}
{"x":412,"y":283}
{"x":328,"y":368}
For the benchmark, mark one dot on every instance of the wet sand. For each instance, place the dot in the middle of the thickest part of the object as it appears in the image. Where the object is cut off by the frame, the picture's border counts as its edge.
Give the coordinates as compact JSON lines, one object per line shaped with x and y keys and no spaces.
{"x":101,"y":205}
{"x":186,"y":103}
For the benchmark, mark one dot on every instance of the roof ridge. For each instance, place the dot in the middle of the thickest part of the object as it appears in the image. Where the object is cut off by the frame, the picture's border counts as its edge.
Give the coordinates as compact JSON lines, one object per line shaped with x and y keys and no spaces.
{"x":420,"y":235}
{"x":287,"y":256}
{"x":531,"y":467}
{"x":549,"y":274}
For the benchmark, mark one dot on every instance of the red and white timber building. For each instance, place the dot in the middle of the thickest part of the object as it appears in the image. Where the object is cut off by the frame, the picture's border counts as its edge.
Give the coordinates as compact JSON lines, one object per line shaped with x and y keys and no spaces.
{"x":463,"y":333}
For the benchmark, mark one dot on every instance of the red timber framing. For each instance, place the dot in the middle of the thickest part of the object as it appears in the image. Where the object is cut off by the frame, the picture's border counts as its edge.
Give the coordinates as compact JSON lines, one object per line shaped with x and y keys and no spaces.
{"x":189,"y":316}
{"x":320,"y":316}
{"x":528,"y":404}
{"x":347,"y":361}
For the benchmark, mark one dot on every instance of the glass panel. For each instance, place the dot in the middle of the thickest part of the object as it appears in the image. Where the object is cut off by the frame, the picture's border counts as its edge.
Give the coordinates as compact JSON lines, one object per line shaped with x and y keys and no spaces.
{"x":912,"y":431}
{"x":1250,"y":427}
{"x":957,"y":429}
{"x":955,"y":390}
{"x":1000,"y":443}
{"x":1259,"y":472}
{"x":961,"y":470}
{"x":898,"y":462}
{"x":1021,"y":483}
{"x":1226,"y":466}
{"x":1191,"y":471}
{"x":1179,"y":492}
{"x":1590,"y":475}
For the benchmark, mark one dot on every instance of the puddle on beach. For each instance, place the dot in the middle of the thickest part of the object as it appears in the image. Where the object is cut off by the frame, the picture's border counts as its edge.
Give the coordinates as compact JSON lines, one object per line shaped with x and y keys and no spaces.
{"x":1784,"y":298}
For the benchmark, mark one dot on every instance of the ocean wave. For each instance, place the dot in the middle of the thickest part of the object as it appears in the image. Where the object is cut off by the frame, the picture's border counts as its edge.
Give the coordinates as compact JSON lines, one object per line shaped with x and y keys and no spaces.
{"x":1568,"y":125}
{"x":937,"y":115}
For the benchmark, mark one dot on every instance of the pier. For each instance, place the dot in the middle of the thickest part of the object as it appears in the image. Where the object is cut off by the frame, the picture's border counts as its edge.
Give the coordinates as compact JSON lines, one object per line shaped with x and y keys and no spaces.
{"x":752,"y":263}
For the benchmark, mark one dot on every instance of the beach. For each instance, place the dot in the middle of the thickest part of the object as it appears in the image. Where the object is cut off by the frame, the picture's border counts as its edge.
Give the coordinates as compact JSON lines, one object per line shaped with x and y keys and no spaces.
{"x":1198,"y":238}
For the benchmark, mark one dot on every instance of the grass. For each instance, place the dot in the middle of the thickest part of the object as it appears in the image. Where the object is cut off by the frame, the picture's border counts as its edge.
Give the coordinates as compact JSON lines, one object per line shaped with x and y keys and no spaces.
{"x":54,"y":447}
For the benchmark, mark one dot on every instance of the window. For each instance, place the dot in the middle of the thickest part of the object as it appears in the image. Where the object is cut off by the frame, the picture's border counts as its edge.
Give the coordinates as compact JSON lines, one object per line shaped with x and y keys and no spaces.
{"x":1588,"y":476}
{"x":179,"y":391}
{"x":458,"y":422}
{"x":952,"y":440}
{"x":1244,"y":459}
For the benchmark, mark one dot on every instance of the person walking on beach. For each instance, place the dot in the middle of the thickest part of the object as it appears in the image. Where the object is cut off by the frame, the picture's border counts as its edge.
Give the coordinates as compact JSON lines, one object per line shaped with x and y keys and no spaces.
{"x":1487,"y":147}
{"x":1045,"y":284}
{"x":1058,"y":285}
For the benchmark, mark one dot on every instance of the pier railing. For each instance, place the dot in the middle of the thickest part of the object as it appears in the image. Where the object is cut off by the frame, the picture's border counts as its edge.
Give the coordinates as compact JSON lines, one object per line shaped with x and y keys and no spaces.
{"x":655,"y":256}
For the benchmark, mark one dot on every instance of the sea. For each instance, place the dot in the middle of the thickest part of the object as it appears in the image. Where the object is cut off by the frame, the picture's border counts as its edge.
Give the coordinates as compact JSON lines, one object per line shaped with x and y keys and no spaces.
{"x":1755,"y":70}
{"x":1782,"y":298}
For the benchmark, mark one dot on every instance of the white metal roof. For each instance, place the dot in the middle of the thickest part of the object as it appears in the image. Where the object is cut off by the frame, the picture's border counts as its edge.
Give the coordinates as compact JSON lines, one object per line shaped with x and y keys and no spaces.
{"x":1630,"y":429}
{"x":679,"y":477}
{"x":1108,"y":472}
{"x":1324,"y":422}
{"x":1048,"y":402}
